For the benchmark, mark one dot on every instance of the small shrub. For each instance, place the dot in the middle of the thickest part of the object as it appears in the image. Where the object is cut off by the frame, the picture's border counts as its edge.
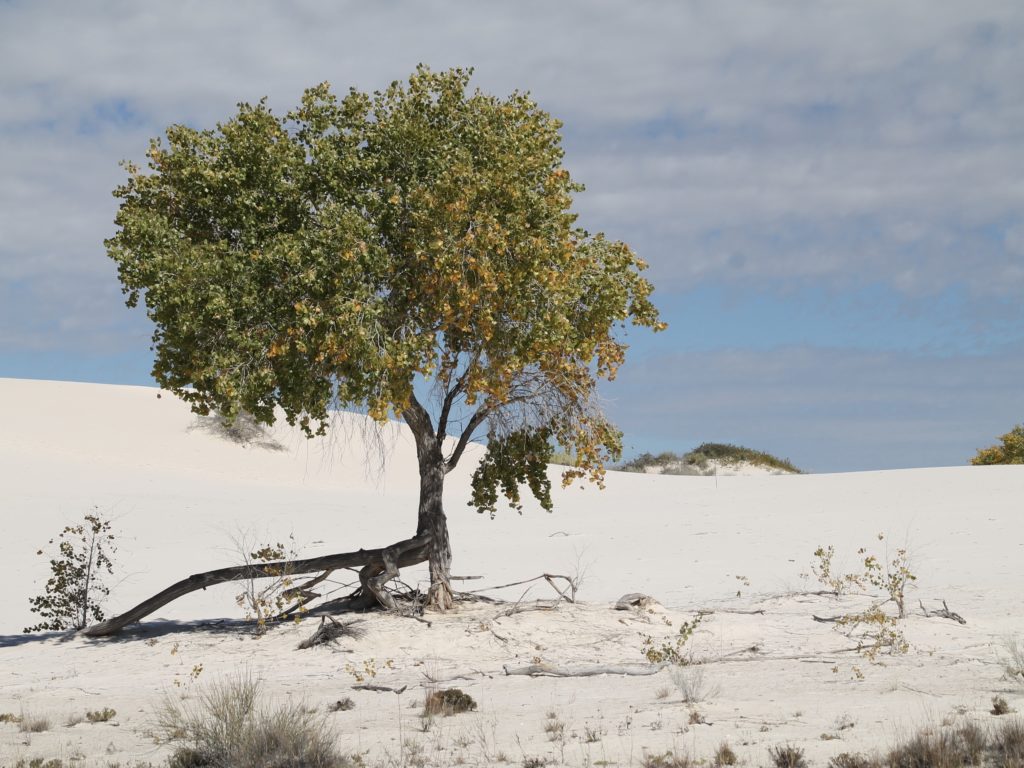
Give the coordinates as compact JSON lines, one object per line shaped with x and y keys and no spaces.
{"x":229,"y":727}
{"x":999,"y":706}
{"x":787,"y":756}
{"x":930,"y":750}
{"x":450,"y":701}
{"x":75,"y":588}
{"x":555,"y":729}
{"x":33,"y":724}
{"x":268,"y":598}
{"x":534,"y":762}
{"x":9,"y":717}
{"x":724,"y":755}
{"x":100,"y":715}
{"x":662,"y":693}
{"x":342,"y":705}
{"x":671,"y":651}
{"x":592,"y":735}
{"x":1011,"y":450}
{"x":696,"y":718}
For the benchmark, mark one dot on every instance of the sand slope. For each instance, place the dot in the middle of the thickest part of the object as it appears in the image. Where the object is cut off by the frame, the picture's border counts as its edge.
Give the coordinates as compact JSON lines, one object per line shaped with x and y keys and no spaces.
{"x":179,"y":492}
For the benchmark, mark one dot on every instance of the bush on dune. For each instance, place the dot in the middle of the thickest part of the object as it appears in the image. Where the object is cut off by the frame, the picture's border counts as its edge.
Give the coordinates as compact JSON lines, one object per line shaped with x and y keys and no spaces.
{"x":699,"y":459}
{"x":1011,"y":450}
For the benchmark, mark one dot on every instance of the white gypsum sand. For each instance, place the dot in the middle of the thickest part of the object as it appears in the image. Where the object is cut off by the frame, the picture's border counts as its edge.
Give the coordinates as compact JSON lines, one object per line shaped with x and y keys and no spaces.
{"x":179,"y":492}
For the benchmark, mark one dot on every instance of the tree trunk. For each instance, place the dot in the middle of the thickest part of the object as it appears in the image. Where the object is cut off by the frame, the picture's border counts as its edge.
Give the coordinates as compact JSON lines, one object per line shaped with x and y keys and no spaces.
{"x":432,"y":522}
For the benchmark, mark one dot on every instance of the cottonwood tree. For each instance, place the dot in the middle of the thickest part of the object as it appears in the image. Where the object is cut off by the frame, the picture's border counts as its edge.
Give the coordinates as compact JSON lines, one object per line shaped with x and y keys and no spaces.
{"x":362,"y":251}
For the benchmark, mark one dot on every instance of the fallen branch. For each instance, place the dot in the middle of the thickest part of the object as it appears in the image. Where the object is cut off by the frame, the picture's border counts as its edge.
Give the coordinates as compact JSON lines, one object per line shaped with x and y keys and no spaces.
{"x":379,"y":688}
{"x":378,"y":566}
{"x":548,"y":577}
{"x":943,"y":613}
{"x":828,"y":619}
{"x":547,"y":670}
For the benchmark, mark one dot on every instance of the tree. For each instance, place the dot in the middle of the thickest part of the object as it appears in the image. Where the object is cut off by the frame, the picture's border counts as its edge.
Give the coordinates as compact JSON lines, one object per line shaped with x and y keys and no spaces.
{"x":1011,"y":451}
{"x":361,"y":251}
{"x":75,"y":588}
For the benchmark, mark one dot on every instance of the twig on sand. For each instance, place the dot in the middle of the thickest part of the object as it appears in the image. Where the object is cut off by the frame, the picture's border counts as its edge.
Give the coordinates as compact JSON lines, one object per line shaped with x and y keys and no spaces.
{"x":942,"y":613}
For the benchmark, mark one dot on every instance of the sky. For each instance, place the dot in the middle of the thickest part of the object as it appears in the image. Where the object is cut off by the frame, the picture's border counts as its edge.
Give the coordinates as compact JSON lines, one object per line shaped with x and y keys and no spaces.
{"x":830,"y":194}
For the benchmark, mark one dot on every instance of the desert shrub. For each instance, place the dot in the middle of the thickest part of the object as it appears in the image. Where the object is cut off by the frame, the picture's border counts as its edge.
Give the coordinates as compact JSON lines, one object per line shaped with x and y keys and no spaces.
{"x":645,"y":461}
{"x":449,"y":701}
{"x":724,"y":755}
{"x":703,"y":454}
{"x":9,"y":717}
{"x":342,"y":705}
{"x":671,"y":651}
{"x":100,"y":715}
{"x":1009,"y":451}
{"x":229,"y":726}
{"x":787,"y":756}
{"x":75,"y":588}
{"x":1000,"y":706}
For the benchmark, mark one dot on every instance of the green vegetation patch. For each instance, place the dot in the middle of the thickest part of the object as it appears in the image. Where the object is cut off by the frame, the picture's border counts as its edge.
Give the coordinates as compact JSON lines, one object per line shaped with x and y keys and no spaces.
{"x":698,"y":460}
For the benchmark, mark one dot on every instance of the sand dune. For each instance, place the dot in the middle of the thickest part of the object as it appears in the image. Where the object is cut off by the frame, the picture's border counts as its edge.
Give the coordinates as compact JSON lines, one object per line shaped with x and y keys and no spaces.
{"x":180,"y":492}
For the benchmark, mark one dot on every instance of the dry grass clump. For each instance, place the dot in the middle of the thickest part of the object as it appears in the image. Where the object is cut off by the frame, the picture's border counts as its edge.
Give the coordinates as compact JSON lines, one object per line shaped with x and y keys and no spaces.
{"x":999,"y":706}
{"x":1013,"y":659}
{"x":967,"y":745}
{"x":787,"y":756}
{"x":724,"y":755}
{"x":230,"y":727}
{"x":448,"y":701}
{"x":34,"y":723}
{"x":854,"y":760}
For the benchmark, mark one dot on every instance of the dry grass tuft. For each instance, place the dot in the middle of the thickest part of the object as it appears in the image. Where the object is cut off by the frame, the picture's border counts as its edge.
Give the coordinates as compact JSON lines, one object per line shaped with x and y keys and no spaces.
{"x":787,"y":756}
{"x":724,"y":755}
{"x":229,"y":727}
{"x":667,"y":760}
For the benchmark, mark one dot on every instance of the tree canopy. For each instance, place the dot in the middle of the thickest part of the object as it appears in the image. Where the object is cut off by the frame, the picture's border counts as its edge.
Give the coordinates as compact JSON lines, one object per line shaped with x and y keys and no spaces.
{"x":1010,"y":449}
{"x":340,"y":254}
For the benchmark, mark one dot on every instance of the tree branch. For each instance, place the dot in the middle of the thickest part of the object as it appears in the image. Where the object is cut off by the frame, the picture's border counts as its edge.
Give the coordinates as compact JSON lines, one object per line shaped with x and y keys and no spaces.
{"x":418,"y":419}
{"x":475,"y":421}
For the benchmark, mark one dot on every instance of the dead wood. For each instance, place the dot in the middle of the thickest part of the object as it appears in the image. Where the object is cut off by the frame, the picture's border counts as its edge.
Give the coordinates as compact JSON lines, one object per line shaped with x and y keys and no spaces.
{"x":376,"y":563}
{"x":942,"y":613}
{"x":379,"y":688}
{"x":828,"y":619}
{"x":571,"y":586}
{"x":329,"y":633}
{"x":547,"y":670}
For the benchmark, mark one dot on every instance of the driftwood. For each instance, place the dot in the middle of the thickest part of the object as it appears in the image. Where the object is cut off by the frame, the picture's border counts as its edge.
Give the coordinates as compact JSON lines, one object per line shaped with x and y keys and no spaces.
{"x":378,"y":567}
{"x":547,"y":670}
{"x":943,"y":613}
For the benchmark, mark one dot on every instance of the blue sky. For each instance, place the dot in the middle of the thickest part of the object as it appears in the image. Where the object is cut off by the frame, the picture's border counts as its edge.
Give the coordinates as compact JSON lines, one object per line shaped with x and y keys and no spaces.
{"x":830,"y":194}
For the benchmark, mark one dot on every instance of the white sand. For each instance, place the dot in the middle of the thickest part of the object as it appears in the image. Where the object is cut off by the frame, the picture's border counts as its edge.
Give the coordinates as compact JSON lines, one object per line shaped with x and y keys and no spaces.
{"x":179,"y":492}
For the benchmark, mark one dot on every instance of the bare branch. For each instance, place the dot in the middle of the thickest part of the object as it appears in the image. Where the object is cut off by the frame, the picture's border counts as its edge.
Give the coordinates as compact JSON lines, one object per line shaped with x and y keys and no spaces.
{"x":475,"y":421}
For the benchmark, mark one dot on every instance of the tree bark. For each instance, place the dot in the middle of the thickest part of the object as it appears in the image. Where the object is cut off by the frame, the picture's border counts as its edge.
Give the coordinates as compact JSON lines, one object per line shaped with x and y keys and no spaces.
{"x":433,"y":524}
{"x":431,"y":521}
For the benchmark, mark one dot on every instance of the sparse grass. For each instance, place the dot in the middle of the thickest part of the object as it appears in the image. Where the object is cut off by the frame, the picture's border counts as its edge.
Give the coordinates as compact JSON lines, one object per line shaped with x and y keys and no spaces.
{"x":229,"y":726}
{"x":34,"y":723}
{"x":787,"y":756}
{"x":724,"y":755}
{"x":662,"y":693}
{"x":534,"y":762}
{"x":696,"y":718}
{"x":448,"y":701}
{"x":666,"y":760}
{"x":854,"y":760}
{"x":100,"y":715}
{"x":692,"y":683}
{"x":592,"y":735}
{"x":9,"y":717}
{"x":1013,"y":659}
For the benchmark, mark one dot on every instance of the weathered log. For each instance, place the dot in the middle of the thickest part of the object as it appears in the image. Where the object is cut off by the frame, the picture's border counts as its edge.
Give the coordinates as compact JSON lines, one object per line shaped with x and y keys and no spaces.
{"x":375,"y":563}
